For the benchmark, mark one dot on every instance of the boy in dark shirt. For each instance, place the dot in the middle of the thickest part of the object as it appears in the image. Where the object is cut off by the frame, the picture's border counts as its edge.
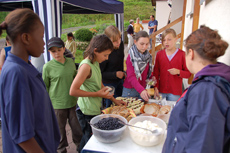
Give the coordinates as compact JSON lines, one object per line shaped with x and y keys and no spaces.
{"x":112,"y":69}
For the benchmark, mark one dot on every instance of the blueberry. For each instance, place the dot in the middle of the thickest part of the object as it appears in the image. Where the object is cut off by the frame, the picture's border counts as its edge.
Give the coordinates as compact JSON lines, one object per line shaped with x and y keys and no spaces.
{"x":109,"y":123}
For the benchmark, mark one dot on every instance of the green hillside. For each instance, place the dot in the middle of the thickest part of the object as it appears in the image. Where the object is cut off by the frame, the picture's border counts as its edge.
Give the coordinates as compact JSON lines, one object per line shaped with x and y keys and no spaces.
{"x":132,"y":9}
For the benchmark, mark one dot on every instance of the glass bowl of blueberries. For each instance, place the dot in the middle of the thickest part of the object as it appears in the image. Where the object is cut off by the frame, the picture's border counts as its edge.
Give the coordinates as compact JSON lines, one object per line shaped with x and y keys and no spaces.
{"x":107,"y":127}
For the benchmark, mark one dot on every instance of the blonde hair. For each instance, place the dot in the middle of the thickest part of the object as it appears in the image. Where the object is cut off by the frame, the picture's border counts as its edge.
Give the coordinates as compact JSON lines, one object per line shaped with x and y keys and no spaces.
{"x":113,"y":33}
{"x":168,"y":31}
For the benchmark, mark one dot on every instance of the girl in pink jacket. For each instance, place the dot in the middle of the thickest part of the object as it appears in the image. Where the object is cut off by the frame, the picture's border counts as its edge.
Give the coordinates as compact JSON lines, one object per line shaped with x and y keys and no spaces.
{"x":139,"y":68}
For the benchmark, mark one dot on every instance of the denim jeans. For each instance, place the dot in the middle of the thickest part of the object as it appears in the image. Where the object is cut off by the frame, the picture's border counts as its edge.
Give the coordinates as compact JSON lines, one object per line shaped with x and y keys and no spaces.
{"x":130,"y":93}
{"x":85,"y":127}
{"x":170,"y":97}
{"x":150,"y":44}
{"x":118,"y":92}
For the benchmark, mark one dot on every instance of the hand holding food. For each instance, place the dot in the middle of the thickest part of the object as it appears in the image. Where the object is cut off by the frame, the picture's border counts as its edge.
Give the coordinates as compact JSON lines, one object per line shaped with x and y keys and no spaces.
{"x":104,"y":93}
{"x":120,"y":102}
{"x":144,"y":95}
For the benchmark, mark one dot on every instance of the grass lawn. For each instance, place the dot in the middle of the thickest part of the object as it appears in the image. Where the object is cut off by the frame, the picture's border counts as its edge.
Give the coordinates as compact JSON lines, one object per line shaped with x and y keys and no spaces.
{"x":79,"y":56}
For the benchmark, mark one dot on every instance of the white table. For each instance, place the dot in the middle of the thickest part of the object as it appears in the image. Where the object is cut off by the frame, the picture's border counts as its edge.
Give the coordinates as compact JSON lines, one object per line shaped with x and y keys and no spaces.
{"x":125,"y":145}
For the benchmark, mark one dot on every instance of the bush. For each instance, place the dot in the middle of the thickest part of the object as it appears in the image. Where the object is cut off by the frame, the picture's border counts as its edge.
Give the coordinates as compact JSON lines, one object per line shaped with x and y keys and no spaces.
{"x":83,"y":34}
{"x":101,"y":27}
{"x":82,"y":45}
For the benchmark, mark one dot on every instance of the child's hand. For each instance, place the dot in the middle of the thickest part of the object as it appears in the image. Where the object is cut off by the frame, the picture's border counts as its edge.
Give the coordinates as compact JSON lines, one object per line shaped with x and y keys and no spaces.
{"x":144,"y":95}
{"x":104,"y":93}
{"x":120,"y":102}
{"x":174,"y":71}
{"x":120,"y":74}
{"x":156,"y":93}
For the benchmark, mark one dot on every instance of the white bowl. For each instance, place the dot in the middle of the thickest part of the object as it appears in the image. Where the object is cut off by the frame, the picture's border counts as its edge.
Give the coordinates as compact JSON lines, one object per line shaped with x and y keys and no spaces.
{"x":147,"y":139}
{"x":108,"y":136}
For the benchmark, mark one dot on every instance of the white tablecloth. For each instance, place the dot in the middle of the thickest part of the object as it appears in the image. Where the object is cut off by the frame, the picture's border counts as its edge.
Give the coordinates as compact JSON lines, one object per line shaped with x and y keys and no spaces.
{"x":125,"y":145}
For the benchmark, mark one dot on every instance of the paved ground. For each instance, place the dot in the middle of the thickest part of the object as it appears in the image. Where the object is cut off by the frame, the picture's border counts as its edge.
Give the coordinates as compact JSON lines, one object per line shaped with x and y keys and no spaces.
{"x":70,"y":149}
{"x":76,"y":28}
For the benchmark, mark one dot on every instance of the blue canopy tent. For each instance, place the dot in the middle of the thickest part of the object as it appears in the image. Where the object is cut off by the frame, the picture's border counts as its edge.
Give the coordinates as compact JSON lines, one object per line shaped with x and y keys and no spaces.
{"x":50,"y":13}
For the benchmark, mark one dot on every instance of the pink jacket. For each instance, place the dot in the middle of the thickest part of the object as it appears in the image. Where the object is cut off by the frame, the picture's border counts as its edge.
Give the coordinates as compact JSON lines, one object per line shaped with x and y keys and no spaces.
{"x":131,"y":80}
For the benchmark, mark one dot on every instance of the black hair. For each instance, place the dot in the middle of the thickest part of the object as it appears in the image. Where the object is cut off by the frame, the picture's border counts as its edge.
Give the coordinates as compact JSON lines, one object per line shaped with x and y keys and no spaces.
{"x":19,"y":21}
{"x":70,"y":34}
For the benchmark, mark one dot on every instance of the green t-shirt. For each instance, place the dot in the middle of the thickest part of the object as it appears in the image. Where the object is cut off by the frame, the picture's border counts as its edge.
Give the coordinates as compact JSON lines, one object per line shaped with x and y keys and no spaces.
{"x":91,"y":105}
{"x":58,"y":78}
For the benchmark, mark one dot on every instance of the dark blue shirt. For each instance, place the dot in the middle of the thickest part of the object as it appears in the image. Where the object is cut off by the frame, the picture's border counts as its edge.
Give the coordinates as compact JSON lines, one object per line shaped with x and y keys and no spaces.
{"x":7,"y":49}
{"x":26,"y":108}
{"x":200,"y":121}
{"x":130,"y":29}
{"x":151,"y":24}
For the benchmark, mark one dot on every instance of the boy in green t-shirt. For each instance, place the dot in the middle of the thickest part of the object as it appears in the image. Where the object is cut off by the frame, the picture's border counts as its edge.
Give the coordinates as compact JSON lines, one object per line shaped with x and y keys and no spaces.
{"x":58,"y":75}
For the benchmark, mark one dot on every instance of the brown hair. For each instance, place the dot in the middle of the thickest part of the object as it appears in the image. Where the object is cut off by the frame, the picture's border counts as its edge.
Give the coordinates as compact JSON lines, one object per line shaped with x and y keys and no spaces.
{"x":207,"y":43}
{"x":113,"y":33}
{"x":168,"y":31}
{"x":141,"y":34}
{"x":19,"y":21}
{"x":101,"y":43}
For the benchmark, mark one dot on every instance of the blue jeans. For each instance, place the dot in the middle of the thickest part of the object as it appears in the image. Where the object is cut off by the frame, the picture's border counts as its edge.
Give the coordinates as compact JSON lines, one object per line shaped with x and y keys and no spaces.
{"x":118,"y":92}
{"x":130,"y":93}
{"x":150,"y":40}
{"x":170,"y":97}
{"x":85,"y":127}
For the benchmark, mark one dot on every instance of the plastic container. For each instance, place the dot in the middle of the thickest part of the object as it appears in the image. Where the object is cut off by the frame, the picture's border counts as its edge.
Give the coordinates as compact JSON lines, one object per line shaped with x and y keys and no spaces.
{"x":150,"y":91}
{"x":111,"y":89}
{"x":147,"y":139}
{"x":107,"y":136}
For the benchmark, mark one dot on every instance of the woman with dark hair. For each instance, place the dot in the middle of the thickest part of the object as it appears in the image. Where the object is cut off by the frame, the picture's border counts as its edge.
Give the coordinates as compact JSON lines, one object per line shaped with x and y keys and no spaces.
{"x":28,"y":120}
{"x":200,"y":121}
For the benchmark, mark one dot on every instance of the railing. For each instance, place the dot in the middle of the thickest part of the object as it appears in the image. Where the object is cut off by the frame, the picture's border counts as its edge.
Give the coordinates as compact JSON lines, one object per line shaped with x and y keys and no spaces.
{"x":153,"y":36}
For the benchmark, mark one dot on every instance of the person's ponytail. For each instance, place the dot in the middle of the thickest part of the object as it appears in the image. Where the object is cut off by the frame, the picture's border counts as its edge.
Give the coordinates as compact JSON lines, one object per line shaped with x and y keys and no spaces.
{"x":2,"y":27}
